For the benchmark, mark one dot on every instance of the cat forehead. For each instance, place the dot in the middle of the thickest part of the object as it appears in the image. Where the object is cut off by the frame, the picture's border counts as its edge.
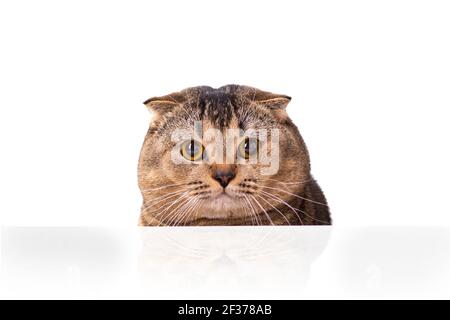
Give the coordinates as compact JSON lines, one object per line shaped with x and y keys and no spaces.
{"x":219,"y":106}
{"x":230,"y":106}
{"x":200,"y":125}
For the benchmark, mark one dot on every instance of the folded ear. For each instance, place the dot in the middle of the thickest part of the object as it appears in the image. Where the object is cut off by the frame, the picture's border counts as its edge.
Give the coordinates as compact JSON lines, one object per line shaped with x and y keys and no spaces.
{"x":271,"y":100}
{"x":164,"y":103}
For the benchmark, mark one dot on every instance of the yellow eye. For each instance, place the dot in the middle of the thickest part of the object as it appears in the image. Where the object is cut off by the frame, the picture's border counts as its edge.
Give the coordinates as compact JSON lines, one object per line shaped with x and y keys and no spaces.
{"x":248,"y":147}
{"x":192,"y":150}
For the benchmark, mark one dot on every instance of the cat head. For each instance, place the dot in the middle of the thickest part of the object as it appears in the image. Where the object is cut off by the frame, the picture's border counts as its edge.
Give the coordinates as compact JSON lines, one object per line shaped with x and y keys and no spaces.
{"x":219,"y":154}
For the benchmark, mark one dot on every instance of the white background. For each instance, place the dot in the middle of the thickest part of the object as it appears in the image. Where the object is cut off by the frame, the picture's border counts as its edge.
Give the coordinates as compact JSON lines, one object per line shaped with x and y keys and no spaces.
{"x":369,"y":79}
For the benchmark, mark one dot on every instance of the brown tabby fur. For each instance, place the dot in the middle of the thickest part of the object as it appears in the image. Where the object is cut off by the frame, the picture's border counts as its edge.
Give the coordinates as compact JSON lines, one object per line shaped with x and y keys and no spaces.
{"x":187,"y":194}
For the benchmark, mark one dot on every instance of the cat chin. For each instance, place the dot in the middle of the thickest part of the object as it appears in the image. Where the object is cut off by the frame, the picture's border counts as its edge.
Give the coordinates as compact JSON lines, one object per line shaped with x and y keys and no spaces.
{"x":221,"y":206}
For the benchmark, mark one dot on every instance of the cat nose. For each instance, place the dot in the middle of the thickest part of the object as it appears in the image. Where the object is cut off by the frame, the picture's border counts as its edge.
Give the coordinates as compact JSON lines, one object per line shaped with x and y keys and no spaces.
{"x":224,"y":175}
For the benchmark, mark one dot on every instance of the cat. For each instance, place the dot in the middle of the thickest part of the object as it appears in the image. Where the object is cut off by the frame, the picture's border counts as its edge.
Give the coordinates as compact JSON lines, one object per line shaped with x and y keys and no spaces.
{"x":226,"y":156}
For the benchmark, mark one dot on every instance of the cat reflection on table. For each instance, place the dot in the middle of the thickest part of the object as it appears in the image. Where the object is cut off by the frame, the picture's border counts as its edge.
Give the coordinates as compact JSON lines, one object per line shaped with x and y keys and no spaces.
{"x":204,"y":259}
{"x":226,"y":156}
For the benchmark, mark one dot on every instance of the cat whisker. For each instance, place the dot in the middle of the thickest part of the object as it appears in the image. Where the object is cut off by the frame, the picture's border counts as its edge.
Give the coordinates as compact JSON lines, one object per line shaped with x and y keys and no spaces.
{"x":168,"y":216}
{"x":164,"y":195}
{"x":244,"y":209}
{"x":265,"y":212}
{"x":171,"y":215}
{"x":150,"y":203}
{"x":274,"y":208}
{"x":183,"y":211}
{"x":295,"y":195}
{"x":287,"y":182}
{"x":247,"y":211}
{"x":177,"y":212}
{"x":282,"y":201}
{"x":193,"y":209}
{"x":296,"y":209}
{"x":252,"y":209}
{"x":164,"y":187}
{"x":181,"y":197}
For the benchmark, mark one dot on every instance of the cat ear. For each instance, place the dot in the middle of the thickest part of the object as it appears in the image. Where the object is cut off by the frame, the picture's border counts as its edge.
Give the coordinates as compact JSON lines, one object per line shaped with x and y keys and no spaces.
{"x":276,"y":103}
{"x":165,"y":103}
{"x":271,"y":100}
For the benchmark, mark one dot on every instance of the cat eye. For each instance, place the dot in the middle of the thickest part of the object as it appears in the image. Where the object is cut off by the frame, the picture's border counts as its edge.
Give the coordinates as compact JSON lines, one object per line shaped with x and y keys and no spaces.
{"x":192,"y":150}
{"x":248,"y":147}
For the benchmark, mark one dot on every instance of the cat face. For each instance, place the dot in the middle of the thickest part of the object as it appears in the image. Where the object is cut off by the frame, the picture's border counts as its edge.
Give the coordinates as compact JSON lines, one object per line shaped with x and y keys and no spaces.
{"x":219,"y":154}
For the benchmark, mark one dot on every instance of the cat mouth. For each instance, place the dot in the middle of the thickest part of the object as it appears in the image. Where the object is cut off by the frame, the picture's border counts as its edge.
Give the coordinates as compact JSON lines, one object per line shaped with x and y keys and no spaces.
{"x":223,"y":195}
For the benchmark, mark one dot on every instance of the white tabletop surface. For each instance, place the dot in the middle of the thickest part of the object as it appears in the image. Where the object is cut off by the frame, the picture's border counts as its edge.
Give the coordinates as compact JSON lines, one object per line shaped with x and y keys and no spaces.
{"x":225,"y":262}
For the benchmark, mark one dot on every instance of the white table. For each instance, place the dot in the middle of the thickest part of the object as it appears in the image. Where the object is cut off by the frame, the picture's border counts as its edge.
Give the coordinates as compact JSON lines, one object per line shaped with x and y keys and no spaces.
{"x":225,"y":262}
